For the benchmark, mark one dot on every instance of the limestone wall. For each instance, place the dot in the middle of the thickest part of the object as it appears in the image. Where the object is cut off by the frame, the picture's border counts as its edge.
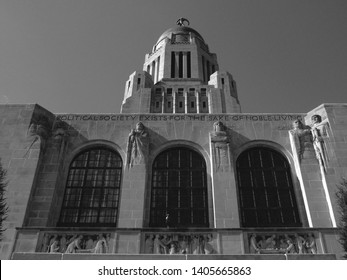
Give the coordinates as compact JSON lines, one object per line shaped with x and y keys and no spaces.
{"x":22,"y":129}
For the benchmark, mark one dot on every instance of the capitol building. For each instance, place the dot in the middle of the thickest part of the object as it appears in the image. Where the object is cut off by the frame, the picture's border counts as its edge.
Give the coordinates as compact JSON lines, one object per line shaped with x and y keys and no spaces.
{"x":179,"y":173}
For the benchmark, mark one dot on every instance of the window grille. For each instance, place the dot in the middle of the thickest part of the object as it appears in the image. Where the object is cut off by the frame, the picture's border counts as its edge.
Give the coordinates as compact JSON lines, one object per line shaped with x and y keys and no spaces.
{"x":179,"y":188}
{"x":266,"y":192}
{"x":92,"y":189}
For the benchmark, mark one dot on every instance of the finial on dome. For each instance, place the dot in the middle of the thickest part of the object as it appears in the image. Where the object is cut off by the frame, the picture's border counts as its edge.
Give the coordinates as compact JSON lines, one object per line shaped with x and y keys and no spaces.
{"x":181,"y":21}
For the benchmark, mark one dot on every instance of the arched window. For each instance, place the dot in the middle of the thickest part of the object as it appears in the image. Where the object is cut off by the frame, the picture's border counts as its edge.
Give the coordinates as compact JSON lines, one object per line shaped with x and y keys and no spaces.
{"x":92,"y":189}
{"x":265,"y":189}
{"x":179,"y":189}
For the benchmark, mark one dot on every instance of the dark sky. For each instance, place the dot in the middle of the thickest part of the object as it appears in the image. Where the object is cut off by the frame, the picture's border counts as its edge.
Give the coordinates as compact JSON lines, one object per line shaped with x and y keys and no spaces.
{"x":74,"y":56}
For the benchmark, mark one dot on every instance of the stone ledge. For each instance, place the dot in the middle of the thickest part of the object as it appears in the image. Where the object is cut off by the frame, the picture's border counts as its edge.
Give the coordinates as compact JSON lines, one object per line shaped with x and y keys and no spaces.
{"x":48,"y":256}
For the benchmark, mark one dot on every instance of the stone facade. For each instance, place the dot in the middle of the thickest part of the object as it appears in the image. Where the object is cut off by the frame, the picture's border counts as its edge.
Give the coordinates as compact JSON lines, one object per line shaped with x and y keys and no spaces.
{"x":37,"y":149}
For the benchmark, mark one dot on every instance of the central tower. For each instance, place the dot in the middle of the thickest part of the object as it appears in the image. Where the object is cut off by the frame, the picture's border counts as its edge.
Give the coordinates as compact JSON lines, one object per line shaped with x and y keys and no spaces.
{"x":180,"y":75}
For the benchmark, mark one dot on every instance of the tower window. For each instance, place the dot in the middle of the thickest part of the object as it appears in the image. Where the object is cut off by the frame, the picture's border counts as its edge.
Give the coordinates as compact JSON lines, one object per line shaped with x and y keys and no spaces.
{"x":172,"y":65}
{"x":169,"y":91}
{"x":158,"y":91}
{"x":204,"y":104}
{"x":189,"y":74}
{"x":203,"y":92}
{"x":192,"y":104}
{"x":181,"y":104}
{"x":180,"y":65}
{"x":203,"y":68}
{"x":222,"y":81}
{"x":157,"y":104}
{"x":180,"y":92}
{"x":169,"y":104}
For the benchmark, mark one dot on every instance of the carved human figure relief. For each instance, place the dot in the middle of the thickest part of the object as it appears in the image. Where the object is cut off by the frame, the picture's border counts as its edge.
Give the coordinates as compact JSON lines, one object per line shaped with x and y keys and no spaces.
{"x":101,"y":245}
{"x":302,"y":138}
{"x":138,"y":144}
{"x":179,"y":244}
{"x":319,"y":131}
{"x":35,"y":133}
{"x":220,"y":143}
{"x":285,"y":243}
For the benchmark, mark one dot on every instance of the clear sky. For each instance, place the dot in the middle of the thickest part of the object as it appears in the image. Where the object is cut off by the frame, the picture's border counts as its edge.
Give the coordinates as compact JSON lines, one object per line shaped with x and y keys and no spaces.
{"x":74,"y":56}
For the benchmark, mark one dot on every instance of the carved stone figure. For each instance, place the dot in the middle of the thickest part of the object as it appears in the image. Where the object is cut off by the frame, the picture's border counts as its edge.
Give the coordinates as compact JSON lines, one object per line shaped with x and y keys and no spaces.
{"x":101,"y":245}
{"x":220,"y":142}
{"x":300,"y":244}
{"x":302,"y":138}
{"x":36,"y":132}
{"x":207,"y":247}
{"x":196,"y":250}
{"x":172,"y":249}
{"x":89,"y":243}
{"x":74,"y":245}
{"x":311,"y":244}
{"x":184,"y":248}
{"x":218,"y":127}
{"x":254,"y":248}
{"x":54,"y":248}
{"x":138,"y":144}
{"x":290,"y":249}
{"x":45,"y":243}
{"x":270,"y":243}
{"x":181,"y":21}
{"x":149,"y":244}
{"x":63,"y":243}
{"x":159,"y":247}
{"x":318,"y":130}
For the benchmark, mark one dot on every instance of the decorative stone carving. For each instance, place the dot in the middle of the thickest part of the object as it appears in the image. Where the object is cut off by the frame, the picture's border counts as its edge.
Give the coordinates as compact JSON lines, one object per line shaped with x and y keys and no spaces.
{"x":37,"y":131}
{"x":182,"y":21}
{"x":77,"y":243}
{"x":60,"y":135}
{"x":220,"y":142}
{"x":319,"y":131}
{"x":179,"y":244}
{"x":282,"y":243}
{"x":302,"y":138}
{"x":138,"y":145}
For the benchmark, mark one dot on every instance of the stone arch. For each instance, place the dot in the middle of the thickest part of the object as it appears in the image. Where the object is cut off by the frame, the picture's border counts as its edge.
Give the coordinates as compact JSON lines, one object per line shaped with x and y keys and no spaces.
{"x":61,"y":186}
{"x":179,"y":144}
{"x":282,"y":155}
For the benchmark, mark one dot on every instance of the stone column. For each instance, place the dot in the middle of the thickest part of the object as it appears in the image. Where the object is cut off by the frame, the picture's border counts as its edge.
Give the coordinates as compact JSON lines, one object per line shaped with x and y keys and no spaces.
{"x":174,"y":98}
{"x":163,"y":102}
{"x":186,"y":102}
{"x":197,"y":102}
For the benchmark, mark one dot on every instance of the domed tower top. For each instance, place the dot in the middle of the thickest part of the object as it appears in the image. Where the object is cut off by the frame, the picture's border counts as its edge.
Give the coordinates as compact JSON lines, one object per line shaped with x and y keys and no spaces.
{"x":181,"y":53}
{"x":181,"y":30}
{"x":180,"y":75}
